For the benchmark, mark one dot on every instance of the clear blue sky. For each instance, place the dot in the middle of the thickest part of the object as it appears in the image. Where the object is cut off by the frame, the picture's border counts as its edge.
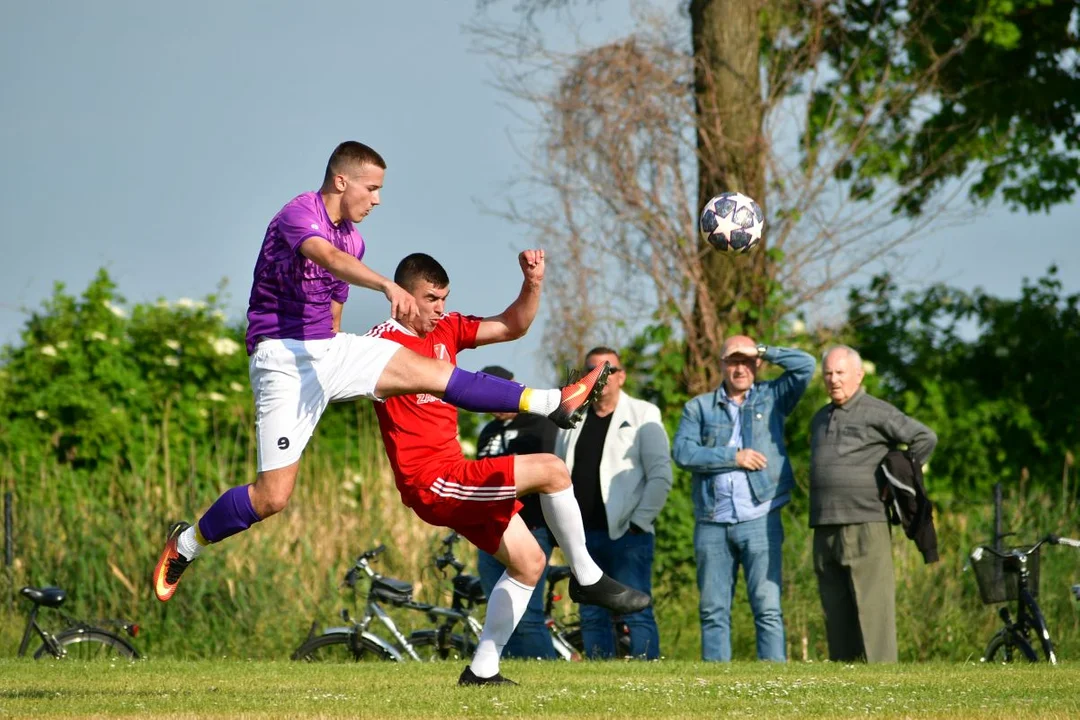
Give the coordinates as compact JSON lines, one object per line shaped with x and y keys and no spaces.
{"x":158,"y":139}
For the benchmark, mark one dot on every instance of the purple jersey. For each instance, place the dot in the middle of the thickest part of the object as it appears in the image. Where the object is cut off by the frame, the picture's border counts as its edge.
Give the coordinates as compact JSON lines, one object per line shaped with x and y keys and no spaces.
{"x":290,"y":296}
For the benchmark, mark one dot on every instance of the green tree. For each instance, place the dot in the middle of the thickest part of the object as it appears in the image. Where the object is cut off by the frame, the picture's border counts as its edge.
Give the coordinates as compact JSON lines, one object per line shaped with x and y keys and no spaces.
{"x":850,"y":121}
{"x":994,"y":377}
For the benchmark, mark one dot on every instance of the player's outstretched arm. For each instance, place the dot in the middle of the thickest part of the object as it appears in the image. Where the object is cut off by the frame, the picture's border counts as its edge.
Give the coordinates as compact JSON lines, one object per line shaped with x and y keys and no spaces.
{"x":345,"y":267}
{"x":514,"y":321}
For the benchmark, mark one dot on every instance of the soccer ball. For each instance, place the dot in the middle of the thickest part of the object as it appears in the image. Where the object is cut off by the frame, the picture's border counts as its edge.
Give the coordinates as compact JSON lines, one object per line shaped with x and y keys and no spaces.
{"x":732,"y":221}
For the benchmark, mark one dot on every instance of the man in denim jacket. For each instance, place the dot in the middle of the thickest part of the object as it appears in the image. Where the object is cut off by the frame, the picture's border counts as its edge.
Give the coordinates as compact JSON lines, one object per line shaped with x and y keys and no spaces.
{"x":732,"y":440}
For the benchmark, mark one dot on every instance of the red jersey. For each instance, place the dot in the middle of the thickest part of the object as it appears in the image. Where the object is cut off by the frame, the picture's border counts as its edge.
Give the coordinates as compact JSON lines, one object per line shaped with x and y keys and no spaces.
{"x":420,"y":432}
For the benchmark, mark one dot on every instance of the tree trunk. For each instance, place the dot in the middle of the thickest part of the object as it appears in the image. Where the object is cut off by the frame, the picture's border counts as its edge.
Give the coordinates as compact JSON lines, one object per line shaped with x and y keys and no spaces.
{"x":731,"y":156}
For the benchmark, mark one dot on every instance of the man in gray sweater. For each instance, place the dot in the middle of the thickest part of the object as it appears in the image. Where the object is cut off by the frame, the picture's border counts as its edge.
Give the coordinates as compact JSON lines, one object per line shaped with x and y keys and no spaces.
{"x":849,"y":438}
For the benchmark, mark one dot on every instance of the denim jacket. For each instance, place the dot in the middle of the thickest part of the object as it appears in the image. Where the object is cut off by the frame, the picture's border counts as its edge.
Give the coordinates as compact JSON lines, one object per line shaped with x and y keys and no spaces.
{"x":700,"y":444}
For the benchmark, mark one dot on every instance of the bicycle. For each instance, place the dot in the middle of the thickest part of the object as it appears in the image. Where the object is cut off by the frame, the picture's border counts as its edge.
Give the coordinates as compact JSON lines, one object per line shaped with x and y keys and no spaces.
{"x":1013,"y":575}
{"x":356,"y":641}
{"x":78,"y":639}
{"x":996,"y":584}
{"x":566,"y":636}
{"x":563,"y":635}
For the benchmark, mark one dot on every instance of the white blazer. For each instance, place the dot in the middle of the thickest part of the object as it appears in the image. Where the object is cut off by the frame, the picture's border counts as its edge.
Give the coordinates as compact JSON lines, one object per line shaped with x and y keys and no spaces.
{"x":635,"y":466}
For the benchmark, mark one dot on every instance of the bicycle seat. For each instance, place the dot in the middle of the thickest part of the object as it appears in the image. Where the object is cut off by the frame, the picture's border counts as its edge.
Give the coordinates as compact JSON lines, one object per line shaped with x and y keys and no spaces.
{"x":391,"y":590}
{"x":556,"y":573}
{"x":469,"y":587}
{"x":47,"y":596}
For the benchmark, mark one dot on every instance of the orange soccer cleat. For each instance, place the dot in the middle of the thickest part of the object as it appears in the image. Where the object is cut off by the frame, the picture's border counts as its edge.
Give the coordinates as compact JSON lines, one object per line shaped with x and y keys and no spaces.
{"x":170,"y":565}
{"x":577,"y":395}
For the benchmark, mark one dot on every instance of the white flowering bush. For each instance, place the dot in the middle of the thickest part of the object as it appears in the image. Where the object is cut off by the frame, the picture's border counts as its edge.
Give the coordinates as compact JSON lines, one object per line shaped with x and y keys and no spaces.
{"x":98,"y":383}
{"x":95,"y":380}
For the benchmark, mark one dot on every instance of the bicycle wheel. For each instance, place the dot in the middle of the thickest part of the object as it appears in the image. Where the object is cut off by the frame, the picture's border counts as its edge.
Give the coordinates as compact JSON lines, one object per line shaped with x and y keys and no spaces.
{"x":339,"y":647}
{"x":453,"y":647}
{"x":90,"y":644}
{"x":1006,"y":646}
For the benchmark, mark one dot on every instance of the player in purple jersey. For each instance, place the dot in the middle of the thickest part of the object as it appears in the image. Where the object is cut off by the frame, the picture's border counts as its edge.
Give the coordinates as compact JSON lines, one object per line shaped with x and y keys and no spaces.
{"x":290,"y":295}
{"x":300,"y":361}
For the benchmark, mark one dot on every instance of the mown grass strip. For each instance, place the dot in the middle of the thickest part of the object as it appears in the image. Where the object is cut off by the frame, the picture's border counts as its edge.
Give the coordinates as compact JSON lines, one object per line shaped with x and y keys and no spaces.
{"x":207,"y":689}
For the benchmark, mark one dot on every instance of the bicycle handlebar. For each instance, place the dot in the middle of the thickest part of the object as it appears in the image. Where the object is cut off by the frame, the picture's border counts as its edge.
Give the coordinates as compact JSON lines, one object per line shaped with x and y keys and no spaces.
{"x":353,"y":575}
{"x":375,"y":552}
{"x":442,"y":561}
{"x":448,"y":558}
{"x":1017,"y":552}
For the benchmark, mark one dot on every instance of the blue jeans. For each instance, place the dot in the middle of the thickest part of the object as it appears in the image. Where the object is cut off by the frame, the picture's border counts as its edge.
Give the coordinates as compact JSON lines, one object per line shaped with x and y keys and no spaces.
{"x":628,"y":560}
{"x":719,"y":549}
{"x":531,"y":638}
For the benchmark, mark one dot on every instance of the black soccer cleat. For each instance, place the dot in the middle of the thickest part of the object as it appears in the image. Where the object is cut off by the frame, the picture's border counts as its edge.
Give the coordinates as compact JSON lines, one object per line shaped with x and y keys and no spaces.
{"x":468,"y":677}
{"x":611,"y":594}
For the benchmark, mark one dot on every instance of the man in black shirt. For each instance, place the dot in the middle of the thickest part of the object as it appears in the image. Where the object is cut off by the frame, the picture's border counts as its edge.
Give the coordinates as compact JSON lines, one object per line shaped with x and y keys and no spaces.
{"x":620,"y":465}
{"x":520,"y":434}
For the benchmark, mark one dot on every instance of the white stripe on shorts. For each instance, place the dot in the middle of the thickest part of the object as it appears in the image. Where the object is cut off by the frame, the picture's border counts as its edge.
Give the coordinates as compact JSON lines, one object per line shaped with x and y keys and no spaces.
{"x":451,"y":489}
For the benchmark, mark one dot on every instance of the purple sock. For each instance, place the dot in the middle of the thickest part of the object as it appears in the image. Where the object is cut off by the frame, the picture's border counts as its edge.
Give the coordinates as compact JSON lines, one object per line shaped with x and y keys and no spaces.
{"x":230,"y":514}
{"x":480,"y":392}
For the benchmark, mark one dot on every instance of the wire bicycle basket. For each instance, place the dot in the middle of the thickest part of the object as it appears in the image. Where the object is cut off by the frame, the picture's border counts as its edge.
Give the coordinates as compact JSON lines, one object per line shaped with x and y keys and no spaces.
{"x":999,"y":578}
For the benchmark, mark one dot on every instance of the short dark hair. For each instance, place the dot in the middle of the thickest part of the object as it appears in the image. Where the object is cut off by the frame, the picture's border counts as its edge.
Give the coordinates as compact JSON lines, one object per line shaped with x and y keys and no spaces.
{"x":603,"y":350}
{"x":420,"y":266}
{"x":351,"y":154}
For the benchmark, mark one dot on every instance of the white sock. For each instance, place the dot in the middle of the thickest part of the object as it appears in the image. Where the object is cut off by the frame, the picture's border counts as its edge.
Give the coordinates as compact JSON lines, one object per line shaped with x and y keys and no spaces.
{"x":541,"y":402}
{"x":505,"y":606}
{"x":563,"y":516}
{"x":187,"y":544}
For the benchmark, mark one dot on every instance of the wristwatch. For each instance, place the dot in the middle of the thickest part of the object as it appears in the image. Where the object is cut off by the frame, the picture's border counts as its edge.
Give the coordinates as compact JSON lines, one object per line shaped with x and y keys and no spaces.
{"x":761,"y":350}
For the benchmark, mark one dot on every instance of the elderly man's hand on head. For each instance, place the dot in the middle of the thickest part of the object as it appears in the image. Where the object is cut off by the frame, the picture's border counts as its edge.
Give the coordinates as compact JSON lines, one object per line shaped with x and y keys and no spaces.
{"x":738,"y":346}
{"x":739,"y":363}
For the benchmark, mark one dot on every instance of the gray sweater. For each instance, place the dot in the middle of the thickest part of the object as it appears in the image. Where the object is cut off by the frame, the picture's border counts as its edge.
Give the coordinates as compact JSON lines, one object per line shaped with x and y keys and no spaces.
{"x":847,"y":443}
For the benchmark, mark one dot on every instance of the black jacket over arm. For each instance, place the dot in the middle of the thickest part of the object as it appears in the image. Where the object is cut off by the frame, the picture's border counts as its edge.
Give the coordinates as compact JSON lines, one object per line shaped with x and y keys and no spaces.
{"x":906,"y":503}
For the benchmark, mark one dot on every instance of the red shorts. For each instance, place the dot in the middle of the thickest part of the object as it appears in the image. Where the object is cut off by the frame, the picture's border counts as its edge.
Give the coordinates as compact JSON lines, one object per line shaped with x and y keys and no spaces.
{"x":477,"y":498}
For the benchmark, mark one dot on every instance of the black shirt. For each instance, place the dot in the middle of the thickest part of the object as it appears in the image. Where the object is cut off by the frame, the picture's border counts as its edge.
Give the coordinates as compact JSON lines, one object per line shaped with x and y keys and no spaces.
{"x":586,"y":473}
{"x":524,"y":435}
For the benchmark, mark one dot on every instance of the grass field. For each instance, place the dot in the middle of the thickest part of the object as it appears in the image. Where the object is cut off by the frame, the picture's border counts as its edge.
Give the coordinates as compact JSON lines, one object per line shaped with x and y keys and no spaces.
{"x":667,"y":689}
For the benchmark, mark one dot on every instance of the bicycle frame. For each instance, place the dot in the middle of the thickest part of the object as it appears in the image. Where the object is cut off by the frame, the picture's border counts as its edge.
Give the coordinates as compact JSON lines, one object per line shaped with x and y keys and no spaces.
{"x":56,"y":644}
{"x":552,"y":576}
{"x":401,"y":648}
{"x":46,"y":637}
{"x":374,"y":611}
{"x":1028,"y":616}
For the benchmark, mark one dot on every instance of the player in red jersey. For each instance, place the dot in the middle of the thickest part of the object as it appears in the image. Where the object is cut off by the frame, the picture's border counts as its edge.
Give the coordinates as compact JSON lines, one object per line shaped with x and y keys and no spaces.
{"x":478,"y":498}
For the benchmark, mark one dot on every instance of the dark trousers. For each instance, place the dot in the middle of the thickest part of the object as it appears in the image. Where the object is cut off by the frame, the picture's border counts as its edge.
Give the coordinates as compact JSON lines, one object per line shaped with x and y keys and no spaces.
{"x":856,"y":581}
{"x":629,"y":560}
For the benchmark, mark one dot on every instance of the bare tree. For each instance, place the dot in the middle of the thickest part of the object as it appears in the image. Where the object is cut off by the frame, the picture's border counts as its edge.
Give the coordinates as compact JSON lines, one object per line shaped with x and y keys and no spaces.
{"x":634,"y":135}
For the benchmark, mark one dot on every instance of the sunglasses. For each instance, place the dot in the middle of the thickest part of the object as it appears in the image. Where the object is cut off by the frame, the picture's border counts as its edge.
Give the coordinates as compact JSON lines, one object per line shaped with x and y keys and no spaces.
{"x":590,"y":368}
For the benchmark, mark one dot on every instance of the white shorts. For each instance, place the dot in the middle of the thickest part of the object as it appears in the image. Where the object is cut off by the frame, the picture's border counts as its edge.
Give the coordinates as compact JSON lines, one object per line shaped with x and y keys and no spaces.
{"x":294,"y":381}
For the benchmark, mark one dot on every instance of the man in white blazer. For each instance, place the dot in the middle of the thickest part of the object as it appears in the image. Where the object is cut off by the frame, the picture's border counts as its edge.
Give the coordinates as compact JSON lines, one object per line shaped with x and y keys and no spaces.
{"x":620,"y":463}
